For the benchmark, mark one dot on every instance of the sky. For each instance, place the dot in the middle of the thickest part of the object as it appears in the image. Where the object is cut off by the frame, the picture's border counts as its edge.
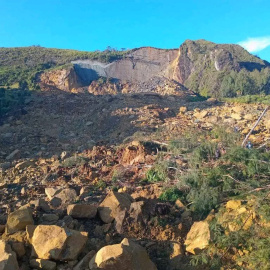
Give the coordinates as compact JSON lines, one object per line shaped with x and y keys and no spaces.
{"x":95,"y":24}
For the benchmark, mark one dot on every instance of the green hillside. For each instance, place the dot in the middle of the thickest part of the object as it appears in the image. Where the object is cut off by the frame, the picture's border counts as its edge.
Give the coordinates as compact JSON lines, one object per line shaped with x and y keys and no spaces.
{"x":20,"y":65}
{"x":223,"y":70}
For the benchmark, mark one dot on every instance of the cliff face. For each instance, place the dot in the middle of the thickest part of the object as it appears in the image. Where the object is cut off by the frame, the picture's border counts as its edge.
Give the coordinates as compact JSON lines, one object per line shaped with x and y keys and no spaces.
{"x":62,"y":79}
{"x":138,"y":66}
{"x":219,"y":69}
{"x":201,"y":66}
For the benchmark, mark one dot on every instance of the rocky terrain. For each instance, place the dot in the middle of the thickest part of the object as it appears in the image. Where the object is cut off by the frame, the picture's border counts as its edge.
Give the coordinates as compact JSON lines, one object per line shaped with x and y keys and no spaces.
{"x":216,"y":70}
{"x":119,"y":162}
{"x":75,"y":187}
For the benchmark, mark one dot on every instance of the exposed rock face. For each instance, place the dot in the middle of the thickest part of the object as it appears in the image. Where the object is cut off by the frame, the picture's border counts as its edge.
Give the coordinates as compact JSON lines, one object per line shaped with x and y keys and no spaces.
{"x":62,"y":79}
{"x":8,"y":258}
{"x":138,"y":66}
{"x":53,"y":242}
{"x":197,"y":65}
{"x":124,"y":256}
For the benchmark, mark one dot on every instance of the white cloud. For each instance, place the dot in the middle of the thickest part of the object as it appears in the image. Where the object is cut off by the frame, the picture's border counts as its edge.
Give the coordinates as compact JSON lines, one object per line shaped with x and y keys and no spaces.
{"x":255,"y":44}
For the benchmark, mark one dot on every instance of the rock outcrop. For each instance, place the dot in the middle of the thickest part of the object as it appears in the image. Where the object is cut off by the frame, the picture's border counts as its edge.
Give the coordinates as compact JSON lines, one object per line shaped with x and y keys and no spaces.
{"x":201,"y":66}
{"x":64,"y":79}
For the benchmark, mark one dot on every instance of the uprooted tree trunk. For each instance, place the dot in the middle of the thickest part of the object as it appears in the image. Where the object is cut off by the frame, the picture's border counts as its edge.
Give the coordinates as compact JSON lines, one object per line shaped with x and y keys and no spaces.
{"x":255,"y":125}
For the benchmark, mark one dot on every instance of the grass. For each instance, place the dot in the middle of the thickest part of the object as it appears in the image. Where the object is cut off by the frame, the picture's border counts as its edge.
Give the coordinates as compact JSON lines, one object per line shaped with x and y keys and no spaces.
{"x":22,"y":64}
{"x":256,"y":99}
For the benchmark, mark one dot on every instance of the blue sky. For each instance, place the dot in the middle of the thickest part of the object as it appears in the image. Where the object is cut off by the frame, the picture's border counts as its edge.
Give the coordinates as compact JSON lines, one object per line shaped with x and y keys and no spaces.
{"x":96,"y":24}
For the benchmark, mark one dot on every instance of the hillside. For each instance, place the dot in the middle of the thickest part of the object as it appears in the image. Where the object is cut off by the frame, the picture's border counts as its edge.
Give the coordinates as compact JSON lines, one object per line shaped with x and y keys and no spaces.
{"x":23,"y":64}
{"x":118,"y":162}
{"x":221,"y":70}
{"x":218,"y":70}
{"x":152,"y":172}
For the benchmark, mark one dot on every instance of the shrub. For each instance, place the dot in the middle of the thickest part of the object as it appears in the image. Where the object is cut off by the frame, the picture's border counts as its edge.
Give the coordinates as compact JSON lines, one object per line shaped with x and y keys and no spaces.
{"x":171,"y":194}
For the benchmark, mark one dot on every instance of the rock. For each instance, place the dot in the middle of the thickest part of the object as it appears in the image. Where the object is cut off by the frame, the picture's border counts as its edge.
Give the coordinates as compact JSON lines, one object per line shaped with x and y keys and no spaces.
{"x":201,"y":115}
{"x":179,"y":204}
{"x":183,"y":109}
{"x":54,"y":242}
{"x":25,"y":164}
{"x":29,"y":232}
{"x":84,"y":262}
{"x":67,"y":195}
{"x":237,"y":109}
{"x":134,"y":153}
{"x":14,"y":155}
{"x":236,"y":116}
{"x":41,"y":204}
{"x":112,"y":205}
{"x":18,"y":220}
{"x":233,"y":204}
{"x":212,"y":100}
{"x":8,"y":260}
{"x":124,"y":256}
{"x":248,"y":117}
{"x":50,"y":192}
{"x":49,"y":218}
{"x":237,"y":216}
{"x":198,"y":237}
{"x":82,"y":210}
{"x":19,"y":248}
{"x":43,"y":264}
{"x":2,"y":228}
{"x":55,"y":202}
{"x":23,"y":191}
{"x":176,"y":255}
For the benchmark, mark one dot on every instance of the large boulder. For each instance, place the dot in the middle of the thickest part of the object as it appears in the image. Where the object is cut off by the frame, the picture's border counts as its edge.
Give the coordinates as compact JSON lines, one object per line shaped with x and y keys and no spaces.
{"x":124,"y":256}
{"x":53,"y":242}
{"x":113,"y":204}
{"x":18,"y":220}
{"x":198,"y":237}
{"x":82,"y":210}
{"x":8,"y":260}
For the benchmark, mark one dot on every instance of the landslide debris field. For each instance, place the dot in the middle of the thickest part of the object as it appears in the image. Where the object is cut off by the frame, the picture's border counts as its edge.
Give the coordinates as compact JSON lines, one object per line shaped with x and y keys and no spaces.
{"x":132,"y":181}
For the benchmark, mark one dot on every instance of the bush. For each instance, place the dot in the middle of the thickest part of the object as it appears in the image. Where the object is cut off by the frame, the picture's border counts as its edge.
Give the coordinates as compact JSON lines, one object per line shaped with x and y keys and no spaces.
{"x":171,"y":194}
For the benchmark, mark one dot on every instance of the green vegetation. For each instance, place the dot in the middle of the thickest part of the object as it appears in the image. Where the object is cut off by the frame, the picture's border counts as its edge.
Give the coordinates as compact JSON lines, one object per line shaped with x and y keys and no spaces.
{"x":210,"y":181}
{"x":11,"y":99}
{"x":261,"y":99}
{"x":223,"y":70}
{"x":22,"y":65}
{"x":171,"y":194}
{"x":159,"y":172}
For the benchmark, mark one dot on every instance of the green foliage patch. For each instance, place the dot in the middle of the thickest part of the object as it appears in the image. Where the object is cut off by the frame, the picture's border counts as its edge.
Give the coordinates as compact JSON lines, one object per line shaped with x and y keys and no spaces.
{"x":23,"y":64}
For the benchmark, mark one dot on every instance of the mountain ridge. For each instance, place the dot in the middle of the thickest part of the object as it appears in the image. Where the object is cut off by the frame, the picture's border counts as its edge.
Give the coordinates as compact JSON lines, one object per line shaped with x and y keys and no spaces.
{"x":210,"y":69}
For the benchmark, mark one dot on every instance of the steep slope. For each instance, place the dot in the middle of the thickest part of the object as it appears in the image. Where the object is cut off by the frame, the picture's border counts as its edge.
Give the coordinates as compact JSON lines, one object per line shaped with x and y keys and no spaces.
{"x":138,"y":66}
{"x":220,"y":69}
{"x":22,"y":64}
